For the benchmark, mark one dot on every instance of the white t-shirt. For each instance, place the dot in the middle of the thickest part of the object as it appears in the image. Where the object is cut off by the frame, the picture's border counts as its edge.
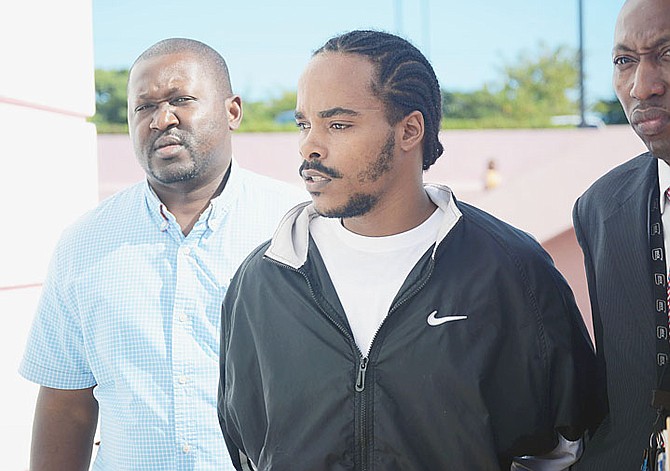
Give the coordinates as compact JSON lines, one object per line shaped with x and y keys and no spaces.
{"x":367,"y":272}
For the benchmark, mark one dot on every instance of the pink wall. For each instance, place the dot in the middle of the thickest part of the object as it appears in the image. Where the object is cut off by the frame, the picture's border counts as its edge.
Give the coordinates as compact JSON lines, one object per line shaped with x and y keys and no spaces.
{"x":569,"y":260}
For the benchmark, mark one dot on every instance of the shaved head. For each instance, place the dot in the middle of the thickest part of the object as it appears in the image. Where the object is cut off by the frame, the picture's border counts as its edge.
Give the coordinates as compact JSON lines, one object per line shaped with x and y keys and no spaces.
{"x":212,"y":61}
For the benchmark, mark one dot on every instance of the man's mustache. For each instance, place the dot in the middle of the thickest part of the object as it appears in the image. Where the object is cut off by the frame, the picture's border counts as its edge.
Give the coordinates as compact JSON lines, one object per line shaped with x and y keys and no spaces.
{"x":319,"y":167}
{"x":172,"y":133}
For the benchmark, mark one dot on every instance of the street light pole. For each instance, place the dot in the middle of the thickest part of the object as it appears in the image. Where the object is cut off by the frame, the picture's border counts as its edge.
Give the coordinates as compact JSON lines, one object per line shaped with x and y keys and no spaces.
{"x":582,"y":120}
{"x":398,"y":17}
{"x":425,"y":16}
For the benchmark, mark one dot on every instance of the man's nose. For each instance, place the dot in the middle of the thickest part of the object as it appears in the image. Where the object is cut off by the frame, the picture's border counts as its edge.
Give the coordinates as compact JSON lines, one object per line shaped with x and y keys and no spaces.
{"x":648,"y":80}
{"x":164,"y":118}
{"x":311,"y":146}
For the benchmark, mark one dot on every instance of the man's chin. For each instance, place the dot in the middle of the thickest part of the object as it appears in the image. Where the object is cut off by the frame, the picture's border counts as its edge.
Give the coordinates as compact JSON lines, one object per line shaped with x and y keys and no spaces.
{"x":169,"y":179}
{"x":357,"y":205}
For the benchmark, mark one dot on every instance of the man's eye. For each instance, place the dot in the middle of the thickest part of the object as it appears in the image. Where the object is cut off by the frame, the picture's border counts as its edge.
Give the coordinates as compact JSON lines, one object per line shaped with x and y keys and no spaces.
{"x":622,"y":60}
{"x":182,"y":99}
{"x":302,"y":126}
{"x":142,"y":107}
{"x":339,"y":126}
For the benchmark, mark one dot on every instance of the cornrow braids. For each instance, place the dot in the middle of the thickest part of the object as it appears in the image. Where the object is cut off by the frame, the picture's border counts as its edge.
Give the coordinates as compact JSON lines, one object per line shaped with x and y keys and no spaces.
{"x":405,"y":81}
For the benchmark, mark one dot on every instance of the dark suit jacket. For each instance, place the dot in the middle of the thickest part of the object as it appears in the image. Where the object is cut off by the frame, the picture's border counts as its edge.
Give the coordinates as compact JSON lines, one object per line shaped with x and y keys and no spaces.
{"x":610,"y":221}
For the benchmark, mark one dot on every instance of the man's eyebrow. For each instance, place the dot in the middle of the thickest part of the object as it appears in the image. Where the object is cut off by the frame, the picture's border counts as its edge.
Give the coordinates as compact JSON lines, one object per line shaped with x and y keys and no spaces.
{"x":148,"y":95}
{"x":659,"y":43}
{"x":337,"y":111}
{"x":329,"y":113}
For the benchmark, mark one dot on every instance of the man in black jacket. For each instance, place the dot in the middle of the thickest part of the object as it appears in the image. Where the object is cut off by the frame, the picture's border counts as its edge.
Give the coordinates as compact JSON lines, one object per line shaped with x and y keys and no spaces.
{"x":387,"y":326}
{"x":623,"y":224}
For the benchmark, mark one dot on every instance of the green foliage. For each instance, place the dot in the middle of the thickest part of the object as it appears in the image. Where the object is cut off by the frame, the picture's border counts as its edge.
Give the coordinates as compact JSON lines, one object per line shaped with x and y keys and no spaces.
{"x":611,"y":111}
{"x":476,"y":105}
{"x":110,"y":101}
{"x":275,"y":114}
{"x":538,"y":85}
{"x":532,"y":88}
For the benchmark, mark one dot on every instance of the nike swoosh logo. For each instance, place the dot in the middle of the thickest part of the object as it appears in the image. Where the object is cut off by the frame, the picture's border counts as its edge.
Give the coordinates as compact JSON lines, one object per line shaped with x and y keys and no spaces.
{"x":435,"y":321}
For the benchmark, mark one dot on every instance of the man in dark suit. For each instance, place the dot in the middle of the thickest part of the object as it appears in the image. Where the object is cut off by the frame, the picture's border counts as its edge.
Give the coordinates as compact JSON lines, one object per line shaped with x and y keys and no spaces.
{"x":619,"y":223}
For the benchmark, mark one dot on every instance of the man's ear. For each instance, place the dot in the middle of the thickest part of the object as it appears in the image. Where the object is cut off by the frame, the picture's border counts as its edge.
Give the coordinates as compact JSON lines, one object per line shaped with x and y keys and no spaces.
{"x":234,"y":111}
{"x":412,"y":129}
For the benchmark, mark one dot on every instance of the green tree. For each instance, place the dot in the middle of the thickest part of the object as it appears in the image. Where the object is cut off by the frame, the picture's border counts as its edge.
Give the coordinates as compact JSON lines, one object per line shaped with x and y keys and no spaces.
{"x":275,"y":114}
{"x":475,"y":105}
{"x":110,"y":101}
{"x":611,"y":111}
{"x":534,"y":87}
{"x":540,"y":85}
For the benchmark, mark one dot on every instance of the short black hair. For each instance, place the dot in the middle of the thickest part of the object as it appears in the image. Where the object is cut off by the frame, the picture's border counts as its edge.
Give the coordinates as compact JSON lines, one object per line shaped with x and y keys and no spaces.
{"x":405,"y":80}
{"x":211,"y":59}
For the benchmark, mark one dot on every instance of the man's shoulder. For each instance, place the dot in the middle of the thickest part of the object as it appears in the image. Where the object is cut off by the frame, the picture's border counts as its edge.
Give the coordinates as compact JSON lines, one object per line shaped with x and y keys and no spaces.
{"x":122,"y":206}
{"x":500,"y":242}
{"x":253,"y":267}
{"x":617,"y":186}
{"x":630,"y":172}
{"x":483,"y":225}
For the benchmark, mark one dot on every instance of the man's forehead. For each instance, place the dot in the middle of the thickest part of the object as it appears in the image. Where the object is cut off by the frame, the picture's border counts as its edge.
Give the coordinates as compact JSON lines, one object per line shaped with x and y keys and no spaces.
{"x":169,"y":73}
{"x":335,"y":81}
{"x":643,"y":22}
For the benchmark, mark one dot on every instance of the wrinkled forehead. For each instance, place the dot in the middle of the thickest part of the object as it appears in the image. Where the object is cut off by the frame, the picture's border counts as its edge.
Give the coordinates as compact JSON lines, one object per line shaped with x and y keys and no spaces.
{"x":642,"y":24}
{"x":165,"y":71}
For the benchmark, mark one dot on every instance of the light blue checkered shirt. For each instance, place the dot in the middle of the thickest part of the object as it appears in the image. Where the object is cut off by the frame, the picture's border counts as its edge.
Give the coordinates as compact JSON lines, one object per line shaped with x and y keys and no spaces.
{"x":134,"y":307}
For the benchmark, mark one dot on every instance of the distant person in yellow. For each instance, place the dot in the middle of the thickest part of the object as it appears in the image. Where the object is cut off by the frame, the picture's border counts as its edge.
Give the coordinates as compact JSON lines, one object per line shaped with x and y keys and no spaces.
{"x":492,"y":178}
{"x":128,"y":324}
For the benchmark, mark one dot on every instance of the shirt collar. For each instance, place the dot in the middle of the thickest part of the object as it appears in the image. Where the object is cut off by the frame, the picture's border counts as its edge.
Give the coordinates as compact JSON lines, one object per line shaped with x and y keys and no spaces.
{"x":663,"y":182}
{"x":290,"y":242}
{"x":212,"y":216}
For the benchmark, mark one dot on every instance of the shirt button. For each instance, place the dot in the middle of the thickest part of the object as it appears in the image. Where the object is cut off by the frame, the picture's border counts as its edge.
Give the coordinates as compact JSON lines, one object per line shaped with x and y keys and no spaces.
{"x":183,"y":317}
{"x":186,"y":448}
{"x":186,"y":250}
{"x":183,"y":379}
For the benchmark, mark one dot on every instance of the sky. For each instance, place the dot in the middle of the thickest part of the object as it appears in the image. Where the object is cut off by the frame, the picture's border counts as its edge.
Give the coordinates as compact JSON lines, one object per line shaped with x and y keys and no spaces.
{"x":268,"y":43}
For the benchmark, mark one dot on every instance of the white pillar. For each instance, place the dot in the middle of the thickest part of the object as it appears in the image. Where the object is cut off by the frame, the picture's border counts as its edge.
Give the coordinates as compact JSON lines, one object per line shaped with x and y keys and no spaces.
{"x":48,"y":175}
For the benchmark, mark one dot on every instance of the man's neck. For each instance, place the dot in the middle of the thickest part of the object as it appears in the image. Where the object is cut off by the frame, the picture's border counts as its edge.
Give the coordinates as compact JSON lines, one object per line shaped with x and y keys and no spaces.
{"x":188,"y":204}
{"x":399,"y":216}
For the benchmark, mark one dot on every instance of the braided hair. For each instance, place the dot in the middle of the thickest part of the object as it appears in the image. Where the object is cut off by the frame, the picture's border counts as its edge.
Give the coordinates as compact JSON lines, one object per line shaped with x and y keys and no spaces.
{"x":405,"y":81}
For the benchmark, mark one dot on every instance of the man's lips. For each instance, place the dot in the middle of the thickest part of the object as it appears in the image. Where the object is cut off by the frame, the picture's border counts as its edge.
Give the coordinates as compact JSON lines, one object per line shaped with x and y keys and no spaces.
{"x":314,"y":180}
{"x":166,"y":141}
{"x":167,"y":146}
{"x":650,"y":121}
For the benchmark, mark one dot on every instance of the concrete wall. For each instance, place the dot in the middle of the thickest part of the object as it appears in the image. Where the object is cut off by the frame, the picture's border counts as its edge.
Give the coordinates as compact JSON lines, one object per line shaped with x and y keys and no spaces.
{"x":50,"y":175}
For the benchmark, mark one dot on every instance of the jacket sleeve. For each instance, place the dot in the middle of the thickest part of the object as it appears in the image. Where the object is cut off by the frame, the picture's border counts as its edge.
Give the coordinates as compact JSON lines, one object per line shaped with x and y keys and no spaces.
{"x":237,"y":455}
{"x":577,"y":391}
{"x":569,"y":398}
{"x":600,"y":374}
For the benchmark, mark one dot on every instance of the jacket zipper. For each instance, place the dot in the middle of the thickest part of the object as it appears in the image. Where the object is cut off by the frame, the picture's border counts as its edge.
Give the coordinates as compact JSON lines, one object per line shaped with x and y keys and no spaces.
{"x":364,"y":431}
{"x":360,"y":380}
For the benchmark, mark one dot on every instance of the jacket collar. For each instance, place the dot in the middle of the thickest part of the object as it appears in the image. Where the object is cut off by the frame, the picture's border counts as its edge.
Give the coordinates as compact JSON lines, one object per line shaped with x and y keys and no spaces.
{"x":290,"y":242}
